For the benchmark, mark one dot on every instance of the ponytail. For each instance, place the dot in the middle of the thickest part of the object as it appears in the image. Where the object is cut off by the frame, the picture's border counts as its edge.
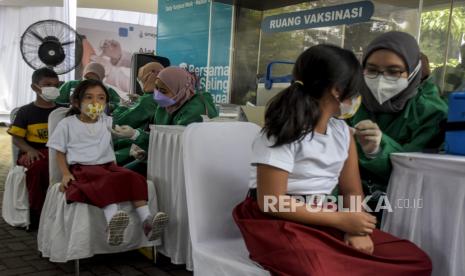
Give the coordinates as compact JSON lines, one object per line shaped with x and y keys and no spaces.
{"x":291,"y":115}
{"x":294,"y":112}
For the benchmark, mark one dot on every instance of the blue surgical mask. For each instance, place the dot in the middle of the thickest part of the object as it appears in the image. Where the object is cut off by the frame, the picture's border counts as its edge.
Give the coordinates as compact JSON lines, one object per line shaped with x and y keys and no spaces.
{"x":162,"y":100}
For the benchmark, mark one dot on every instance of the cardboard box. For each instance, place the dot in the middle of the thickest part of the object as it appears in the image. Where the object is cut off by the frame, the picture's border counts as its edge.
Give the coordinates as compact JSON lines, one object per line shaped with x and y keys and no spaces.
{"x":253,"y":114}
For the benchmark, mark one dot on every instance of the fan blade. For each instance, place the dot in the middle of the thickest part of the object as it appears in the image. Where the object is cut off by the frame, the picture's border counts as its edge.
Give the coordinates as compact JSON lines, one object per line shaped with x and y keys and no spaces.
{"x":67,"y":43}
{"x":37,"y":36}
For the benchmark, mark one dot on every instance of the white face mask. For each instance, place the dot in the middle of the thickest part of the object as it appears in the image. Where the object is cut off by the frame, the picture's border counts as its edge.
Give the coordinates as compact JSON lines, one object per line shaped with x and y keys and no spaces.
{"x":349,"y":110}
{"x":383,"y":90}
{"x":49,"y":93}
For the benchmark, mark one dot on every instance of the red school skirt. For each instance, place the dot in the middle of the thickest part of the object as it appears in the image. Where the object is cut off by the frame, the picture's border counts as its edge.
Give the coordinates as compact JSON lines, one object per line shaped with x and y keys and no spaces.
{"x":287,"y":248}
{"x":101,"y":185}
{"x":37,"y":180}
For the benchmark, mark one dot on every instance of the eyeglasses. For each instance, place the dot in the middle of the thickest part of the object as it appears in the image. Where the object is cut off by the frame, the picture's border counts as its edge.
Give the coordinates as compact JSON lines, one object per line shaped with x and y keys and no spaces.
{"x":388,"y":74}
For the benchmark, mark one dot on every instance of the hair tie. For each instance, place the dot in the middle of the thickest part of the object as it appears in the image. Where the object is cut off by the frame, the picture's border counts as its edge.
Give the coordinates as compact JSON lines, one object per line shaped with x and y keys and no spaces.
{"x":299,"y":82}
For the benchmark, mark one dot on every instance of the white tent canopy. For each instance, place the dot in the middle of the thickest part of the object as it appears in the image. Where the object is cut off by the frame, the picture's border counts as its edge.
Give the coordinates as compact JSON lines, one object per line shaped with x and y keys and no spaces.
{"x":17,"y":15}
{"x":143,"y":6}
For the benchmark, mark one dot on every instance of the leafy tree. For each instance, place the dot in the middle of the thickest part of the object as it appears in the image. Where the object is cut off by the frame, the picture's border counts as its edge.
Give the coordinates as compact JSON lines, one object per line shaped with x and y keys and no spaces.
{"x":438,"y":20}
{"x":434,"y":26}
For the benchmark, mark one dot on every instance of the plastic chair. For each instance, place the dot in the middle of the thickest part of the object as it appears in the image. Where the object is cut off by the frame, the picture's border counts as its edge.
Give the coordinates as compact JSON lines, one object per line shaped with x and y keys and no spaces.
{"x":217,"y":168}
{"x":15,"y":205}
{"x":14,"y":149}
{"x":53,"y":119}
{"x":76,"y":231}
{"x":165,"y":168}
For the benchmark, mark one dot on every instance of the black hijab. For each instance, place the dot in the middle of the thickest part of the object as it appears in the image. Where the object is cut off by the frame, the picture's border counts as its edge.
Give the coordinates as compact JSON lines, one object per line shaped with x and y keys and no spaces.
{"x":406,"y":47}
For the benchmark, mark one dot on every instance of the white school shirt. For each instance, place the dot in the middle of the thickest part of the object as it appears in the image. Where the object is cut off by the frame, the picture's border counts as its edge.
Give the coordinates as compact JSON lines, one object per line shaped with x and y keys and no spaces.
{"x":314,"y":163}
{"x":84,"y":143}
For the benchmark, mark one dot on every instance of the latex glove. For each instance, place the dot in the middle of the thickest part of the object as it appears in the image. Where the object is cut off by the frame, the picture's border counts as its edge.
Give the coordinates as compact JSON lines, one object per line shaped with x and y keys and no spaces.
{"x":133,"y":97}
{"x":369,"y":136}
{"x":125,"y":103}
{"x":124,"y":132}
{"x":205,"y":118}
{"x":136,"y":152}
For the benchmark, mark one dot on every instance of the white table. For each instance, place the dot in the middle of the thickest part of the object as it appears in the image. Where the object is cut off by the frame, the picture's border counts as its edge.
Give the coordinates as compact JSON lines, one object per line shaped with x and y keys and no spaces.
{"x":165,"y":168}
{"x":436,"y":183}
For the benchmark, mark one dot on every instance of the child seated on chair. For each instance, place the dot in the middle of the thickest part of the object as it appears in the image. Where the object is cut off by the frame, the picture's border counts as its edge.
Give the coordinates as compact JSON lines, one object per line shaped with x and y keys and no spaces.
{"x":87,"y":161}
{"x":30,"y":134}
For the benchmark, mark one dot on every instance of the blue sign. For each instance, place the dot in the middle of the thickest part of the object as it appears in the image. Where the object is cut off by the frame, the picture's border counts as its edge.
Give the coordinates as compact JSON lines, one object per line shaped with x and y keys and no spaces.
{"x":184,"y":31}
{"x":321,"y":17}
{"x":123,"y":32}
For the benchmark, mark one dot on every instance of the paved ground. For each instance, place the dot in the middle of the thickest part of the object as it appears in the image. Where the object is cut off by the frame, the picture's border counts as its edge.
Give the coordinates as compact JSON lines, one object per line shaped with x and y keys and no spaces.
{"x":5,"y":155}
{"x":19,"y":255}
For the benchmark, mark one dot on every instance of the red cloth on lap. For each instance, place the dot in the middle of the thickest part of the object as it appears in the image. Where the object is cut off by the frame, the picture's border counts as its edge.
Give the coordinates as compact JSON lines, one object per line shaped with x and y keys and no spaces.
{"x":37,"y":180}
{"x":287,"y":248}
{"x":101,"y":185}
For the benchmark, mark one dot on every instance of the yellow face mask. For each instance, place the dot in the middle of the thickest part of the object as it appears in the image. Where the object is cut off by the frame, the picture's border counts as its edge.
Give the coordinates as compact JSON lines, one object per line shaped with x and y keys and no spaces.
{"x":93,"y":111}
{"x":349,"y":110}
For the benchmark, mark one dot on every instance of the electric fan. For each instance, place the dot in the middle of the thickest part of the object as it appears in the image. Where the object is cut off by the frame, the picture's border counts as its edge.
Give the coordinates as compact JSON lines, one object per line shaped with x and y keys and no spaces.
{"x":52,"y":44}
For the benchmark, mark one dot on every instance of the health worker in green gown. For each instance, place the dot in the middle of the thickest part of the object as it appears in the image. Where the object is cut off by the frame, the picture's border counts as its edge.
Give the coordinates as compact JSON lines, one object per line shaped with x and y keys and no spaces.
{"x":398,"y":114}
{"x":94,"y":71}
{"x":138,"y":112}
{"x":178,"y":104}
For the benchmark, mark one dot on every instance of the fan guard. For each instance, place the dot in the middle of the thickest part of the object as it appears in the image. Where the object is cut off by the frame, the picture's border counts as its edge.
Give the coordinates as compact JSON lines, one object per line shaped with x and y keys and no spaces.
{"x":53,"y":44}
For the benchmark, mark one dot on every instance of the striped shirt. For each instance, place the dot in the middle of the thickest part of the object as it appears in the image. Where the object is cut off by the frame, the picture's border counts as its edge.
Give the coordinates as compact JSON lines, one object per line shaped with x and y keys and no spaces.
{"x":31,"y":124}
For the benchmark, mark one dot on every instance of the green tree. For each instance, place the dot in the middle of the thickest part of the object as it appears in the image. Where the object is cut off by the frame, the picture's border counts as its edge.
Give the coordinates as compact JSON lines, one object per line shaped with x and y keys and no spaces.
{"x":434,"y":28}
{"x":438,"y":20}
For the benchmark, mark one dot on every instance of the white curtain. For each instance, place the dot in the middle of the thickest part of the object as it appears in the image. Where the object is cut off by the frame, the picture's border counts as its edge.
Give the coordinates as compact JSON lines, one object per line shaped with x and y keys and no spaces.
{"x":137,"y":18}
{"x":70,"y":9}
{"x":15,"y":74}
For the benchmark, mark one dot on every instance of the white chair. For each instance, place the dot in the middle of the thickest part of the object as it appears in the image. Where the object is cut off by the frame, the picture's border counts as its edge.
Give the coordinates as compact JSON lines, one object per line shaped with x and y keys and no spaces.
{"x":165,"y":168}
{"x":14,"y":149}
{"x":216,"y":168}
{"x":53,"y":119}
{"x":15,"y":205}
{"x":75,"y":231}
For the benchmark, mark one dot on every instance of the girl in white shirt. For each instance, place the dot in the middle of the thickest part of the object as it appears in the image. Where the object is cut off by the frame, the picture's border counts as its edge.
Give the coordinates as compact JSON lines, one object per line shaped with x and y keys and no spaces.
{"x":303,"y":150}
{"x":86,"y":159}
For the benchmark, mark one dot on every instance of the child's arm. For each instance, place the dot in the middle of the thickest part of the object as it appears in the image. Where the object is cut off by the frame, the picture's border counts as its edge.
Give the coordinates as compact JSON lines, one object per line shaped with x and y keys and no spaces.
{"x":32,"y":153}
{"x":18,"y":130}
{"x":349,"y":179}
{"x":63,"y":165}
{"x":272,"y":187}
{"x":350,"y":185}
